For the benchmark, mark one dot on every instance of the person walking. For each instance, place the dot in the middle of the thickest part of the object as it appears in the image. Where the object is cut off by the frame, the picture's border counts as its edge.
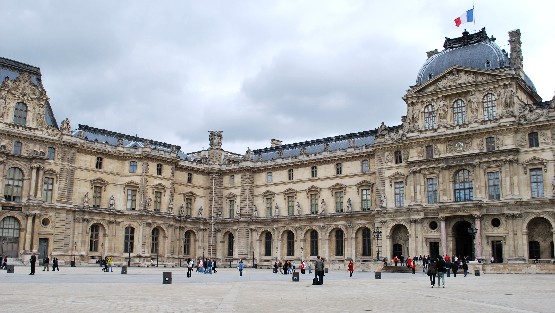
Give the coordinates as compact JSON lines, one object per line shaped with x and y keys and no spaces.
{"x":413,"y":267}
{"x":55,"y":264}
{"x":33,"y":260}
{"x":455,"y":268}
{"x":432,"y":272}
{"x":448,"y":265}
{"x":465,"y":268}
{"x":351,"y":267}
{"x":240,"y":267}
{"x":46,"y":263}
{"x":110,"y":263}
{"x":319,"y":270}
{"x":214,"y":266}
{"x":440,"y":267}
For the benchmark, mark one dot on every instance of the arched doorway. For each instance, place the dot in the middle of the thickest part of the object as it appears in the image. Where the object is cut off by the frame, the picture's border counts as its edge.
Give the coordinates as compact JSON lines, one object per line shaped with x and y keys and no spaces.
{"x":399,"y":241}
{"x":288,"y":243}
{"x":9,"y":237}
{"x":189,"y":244}
{"x":540,"y":238}
{"x":464,"y":243}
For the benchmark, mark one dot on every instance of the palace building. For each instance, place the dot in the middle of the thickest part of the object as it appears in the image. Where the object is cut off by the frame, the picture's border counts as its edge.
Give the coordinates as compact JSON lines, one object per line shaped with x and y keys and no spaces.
{"x":468,"y":172}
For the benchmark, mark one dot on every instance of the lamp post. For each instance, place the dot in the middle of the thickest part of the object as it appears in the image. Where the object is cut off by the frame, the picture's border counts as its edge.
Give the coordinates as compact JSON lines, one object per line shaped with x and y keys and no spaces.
{"x":378,"y":236}
{"x":472,"y":232}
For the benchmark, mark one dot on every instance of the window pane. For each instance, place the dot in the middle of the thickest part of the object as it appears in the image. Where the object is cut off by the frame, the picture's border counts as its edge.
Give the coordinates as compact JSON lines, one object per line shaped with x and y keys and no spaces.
{"x":494,"y":188}
{"x":399,"y":194}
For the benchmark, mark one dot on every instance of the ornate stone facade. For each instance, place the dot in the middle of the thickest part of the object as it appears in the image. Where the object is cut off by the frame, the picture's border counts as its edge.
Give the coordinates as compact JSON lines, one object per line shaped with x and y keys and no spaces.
{"x":475,"y":152}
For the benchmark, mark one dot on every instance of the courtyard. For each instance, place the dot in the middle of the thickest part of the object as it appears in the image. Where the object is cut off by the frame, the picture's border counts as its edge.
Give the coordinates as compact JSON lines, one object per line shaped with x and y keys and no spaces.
{"x":88,"y":289}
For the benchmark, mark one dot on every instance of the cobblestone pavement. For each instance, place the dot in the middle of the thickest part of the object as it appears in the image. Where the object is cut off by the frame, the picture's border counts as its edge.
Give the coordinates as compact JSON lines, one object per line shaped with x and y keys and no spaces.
{"x":88,"y":289}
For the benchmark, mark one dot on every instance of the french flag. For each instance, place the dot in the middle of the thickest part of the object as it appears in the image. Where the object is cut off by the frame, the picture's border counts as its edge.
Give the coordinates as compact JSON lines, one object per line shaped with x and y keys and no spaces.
{"x":467,"y":17}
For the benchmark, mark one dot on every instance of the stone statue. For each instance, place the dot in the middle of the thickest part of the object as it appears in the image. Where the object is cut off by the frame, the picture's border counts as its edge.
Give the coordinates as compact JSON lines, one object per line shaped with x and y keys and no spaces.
{"x":148,"y":203}
{"x":384,"y":201}
{"x":255,"y":211}
{"x":323,"y":207}
{"x":298,"y":206}
{"x":170,"y":206}
{"x":112,"y":203}
{"x":86,"y":201}
{"x":66,"y":126}
{"x":276,"y":210}
{"x":200,"y":211}
{"x":215,"y":138}
{"x":553,"y":185}
{"x":248,"y":154}
{"x":182,"y":210}
{"x":349,"y":205}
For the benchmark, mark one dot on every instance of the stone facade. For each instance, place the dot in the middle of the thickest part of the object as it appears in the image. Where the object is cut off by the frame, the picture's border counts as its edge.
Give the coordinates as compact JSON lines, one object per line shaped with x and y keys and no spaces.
{"x":474,"y":152}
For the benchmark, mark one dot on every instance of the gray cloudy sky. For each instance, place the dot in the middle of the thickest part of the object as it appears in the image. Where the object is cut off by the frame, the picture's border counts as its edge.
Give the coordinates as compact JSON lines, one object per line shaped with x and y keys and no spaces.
{"x":290,"y":70}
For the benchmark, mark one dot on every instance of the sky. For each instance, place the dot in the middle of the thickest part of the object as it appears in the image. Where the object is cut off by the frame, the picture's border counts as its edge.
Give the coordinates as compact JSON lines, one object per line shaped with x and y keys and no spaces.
{"x":298,"y":70}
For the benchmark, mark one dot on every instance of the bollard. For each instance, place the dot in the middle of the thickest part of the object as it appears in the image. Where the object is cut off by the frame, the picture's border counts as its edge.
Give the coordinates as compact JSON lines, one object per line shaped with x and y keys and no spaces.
{"x":378,"y":275}
{"x":124,"y":269}
{"x":476,"y":272}
{"x":326,"y":270}
{"x":167,"y":278}
{"x":295,"y":276}
{"x":9,"y":268}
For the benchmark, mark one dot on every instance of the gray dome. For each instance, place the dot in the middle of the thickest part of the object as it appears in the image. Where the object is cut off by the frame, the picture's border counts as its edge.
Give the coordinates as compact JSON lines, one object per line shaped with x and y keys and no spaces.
{"x":471,"y":50}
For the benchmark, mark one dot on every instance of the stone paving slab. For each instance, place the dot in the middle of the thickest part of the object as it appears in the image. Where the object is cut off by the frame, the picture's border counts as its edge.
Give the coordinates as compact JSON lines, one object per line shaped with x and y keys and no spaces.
{"x":88,"y":289}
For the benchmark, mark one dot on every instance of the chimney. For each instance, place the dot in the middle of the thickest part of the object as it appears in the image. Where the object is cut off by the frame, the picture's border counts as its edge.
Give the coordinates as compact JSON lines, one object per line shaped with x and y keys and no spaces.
{"x":516,"y":50}
{"x":276,"y":143}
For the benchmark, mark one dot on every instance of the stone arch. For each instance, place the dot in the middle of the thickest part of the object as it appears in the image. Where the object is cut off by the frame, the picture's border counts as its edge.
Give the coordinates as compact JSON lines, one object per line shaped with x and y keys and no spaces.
{"x":287,"y":246}
{"x":229,"y":241}
{"x":190,"y":243}
{"x":540,"y":238}
{"x":266,"y":240}
{"x":363,"y":245}
{"x":399,"y":239}
{"x":337,"y":241}
{"x":463,"y":243}
{"x":312,"y":247}
{"x":11,"y":235}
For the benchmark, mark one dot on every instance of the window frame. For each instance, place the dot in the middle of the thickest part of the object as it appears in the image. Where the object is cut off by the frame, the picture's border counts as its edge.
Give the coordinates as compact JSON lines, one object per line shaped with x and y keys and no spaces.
{"x":494,"y":185}
{"x":365,"y":166}
{"x":290,"y":174}
{"x":338,"y":197}
{"x":398,"y":156}
{"x":159,"y":169}
{"x":51,"y":155}
{"x":132,"y":166}
{"x":338,"y":168}
{"x":430,"y":120}
{"x":97,"y":196}
{"x":18,"y":117}
{"x":533,"y":140}
{"x":48,"y":189}
{"x":432,"y":189}
{"x":490,"y":107}
{"x":17,"y":147}
{"x":463,"y":189}
{"x":459,"y":112}
{"x":365,"y":199}
{"x":131,"y":199}
{"x":157,"y":201}
{"x":129,"y":239}
{"x":98,"y":164}
{"x":490,"y":144}
{"x":536,"y":183}
{"x":13,"y":186}
{"x":399,"y":189}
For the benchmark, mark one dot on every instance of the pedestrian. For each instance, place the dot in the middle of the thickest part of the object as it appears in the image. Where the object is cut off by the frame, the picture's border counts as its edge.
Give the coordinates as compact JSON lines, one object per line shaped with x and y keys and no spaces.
{"x":454,"y":268}
{"x":413,"y":267}
{"x":351,"y":267}
{"x":275,"y":267}
{"x":310,"y":267}
{"x":280,"y":267}
{"x":432,"y":272}
{"x":448,"y":265}
{"x":440,"y":267}
{"x":302,"y":267}
{"x":214,"y":266}
{"x":55,"y":265}
{"x":395,"y":260}
{"x":33,"y":260}
{"x":465,"y":268}
{"x":46,"y":263}
{"x":319,"y":270}
{"x":240,"y":267}
{"x":110,"y":263}
{"x":4,"y":262}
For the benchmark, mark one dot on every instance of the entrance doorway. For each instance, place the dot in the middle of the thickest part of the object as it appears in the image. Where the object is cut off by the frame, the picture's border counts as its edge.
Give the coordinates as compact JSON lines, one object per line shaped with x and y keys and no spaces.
{"x":497,"y":251}
{"x":43,"y":249}
{"x":9,"y":237}
{"x":464,"y":243}
{"x":397,"y":250}
{"x":434,"y":249}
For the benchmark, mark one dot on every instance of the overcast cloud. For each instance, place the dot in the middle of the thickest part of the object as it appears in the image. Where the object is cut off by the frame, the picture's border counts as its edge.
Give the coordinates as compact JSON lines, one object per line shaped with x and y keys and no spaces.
{"x":290,"y":70}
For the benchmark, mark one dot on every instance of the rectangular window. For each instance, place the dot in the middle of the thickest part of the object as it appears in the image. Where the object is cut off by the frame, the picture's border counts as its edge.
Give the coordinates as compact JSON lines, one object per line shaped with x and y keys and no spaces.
{"x":17,"y":147}
{"x":98,"y":164}
{"x":536,"y":182}
{"x":338,"y":169}
{"x":97,"y":196}
{"x":313,"y":204}
{"x":290,"y":174}
{"x":48,"y":189}
{"x":268,"y":206}
{"x":399,"y":194}
{"x":231,"y":209}
{"x":189,"y":178}
{"x":494,"y":187}
{"x":232,"y":180}
{"x":188,"y":206}
{"x":290,"y":205}
{"x":133,"y":167}
{"x":429,"y":152}
{"x":159,"y":169}
{"x":269,"y":177}
{"x":366,"y":199}
{"x":432,"y":185}
{"x":131,"y":199}
{"x":490,"y":144}
{"x":533,"y":140}
{"x":365,"y":167}
{"x":398,"y":157}
{"x":129,"y":240}
{"x":157,"y":201}
{"x":314,"y":172}
{"x":339,"y":201}
{"x":51,"y":153}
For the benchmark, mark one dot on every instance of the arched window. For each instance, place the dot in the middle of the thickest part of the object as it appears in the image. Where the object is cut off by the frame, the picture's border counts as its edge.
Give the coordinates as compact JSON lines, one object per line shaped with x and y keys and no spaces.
{"x":459,"y":112}
{"x":14,"y":183}
{"x":313,"y":243}
{"x":129,"y":239}
{"x":463,"y":186}
{"x":268,"y":244}
{"x":154,"y":243}
{"x":93,"y":238}
{"x":429,"y":117}
{"x":290,"y":243}
{"x":339,"y":237}
{"x":490,"y":107}
{"x":187,"y":243}
{"x":20,"y":114}
{"x":230,"y":244}
{"x":365,"y":168}
{"x":366,"y":242}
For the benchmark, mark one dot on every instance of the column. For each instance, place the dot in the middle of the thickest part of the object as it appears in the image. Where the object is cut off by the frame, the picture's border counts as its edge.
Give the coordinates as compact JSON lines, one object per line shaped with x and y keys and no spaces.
{"x":40,"y":178}
{"x":32,"y":181}
{"x":28,"y":232}
{"x":139,"y":246}
{"x":443,"y":235}
{"x":412,"y":242}
{"x":353,"y":242}
{"x":478,"y":239}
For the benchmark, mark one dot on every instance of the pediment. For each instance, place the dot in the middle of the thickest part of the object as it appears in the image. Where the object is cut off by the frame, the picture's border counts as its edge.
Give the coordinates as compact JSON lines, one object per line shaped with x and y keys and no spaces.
{"x":455,"y":76}
{"x":289,"y":191}
{"x":231,"y":195}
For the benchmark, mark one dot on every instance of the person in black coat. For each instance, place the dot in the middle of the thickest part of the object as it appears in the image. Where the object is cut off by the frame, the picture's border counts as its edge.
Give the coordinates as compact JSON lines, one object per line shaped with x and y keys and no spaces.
{"x":33,"y":261}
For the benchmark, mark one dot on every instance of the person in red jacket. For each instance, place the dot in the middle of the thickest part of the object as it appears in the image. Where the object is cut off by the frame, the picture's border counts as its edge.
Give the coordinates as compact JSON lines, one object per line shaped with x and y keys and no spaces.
{"x":351,"y":268}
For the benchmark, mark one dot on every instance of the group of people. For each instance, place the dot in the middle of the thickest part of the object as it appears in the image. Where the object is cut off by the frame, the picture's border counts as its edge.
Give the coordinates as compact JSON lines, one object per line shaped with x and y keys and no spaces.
{"x":288,"y":267}
{"x":444,"y":265}
{"x":106,"y":264}
{"x":45,"y":263}
{"x":206,"y":266}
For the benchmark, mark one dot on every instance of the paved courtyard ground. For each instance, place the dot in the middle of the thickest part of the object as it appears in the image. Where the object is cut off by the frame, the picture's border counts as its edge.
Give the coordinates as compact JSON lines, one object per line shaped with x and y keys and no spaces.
{"x":88,"y":289}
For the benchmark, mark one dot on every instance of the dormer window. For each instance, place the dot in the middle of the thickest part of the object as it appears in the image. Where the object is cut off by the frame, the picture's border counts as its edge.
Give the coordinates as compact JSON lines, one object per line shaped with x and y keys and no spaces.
{"x":488,"y":64}
{"x":20,"y":114}
{"x":398,"y":157}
